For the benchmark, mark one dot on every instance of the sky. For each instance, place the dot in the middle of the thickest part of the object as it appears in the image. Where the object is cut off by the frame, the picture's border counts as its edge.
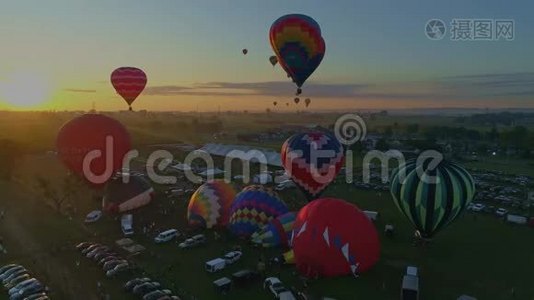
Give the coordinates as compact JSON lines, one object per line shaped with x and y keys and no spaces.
{"x":58,"y":54}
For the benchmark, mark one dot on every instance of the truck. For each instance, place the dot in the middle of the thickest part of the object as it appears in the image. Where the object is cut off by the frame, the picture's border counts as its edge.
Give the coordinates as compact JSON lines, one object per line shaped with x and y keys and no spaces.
{"x":127,"y":224}
{"x":215,"y":265}
{"x":410,"y":284}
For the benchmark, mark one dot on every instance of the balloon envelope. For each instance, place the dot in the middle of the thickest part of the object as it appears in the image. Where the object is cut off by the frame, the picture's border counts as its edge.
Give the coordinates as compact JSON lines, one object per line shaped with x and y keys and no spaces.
{"x":332,"y":237}
{"x":129,"y":82}
{"x":277,"y":232}
{"x":123,"y":196}
{"x":254,"y":207}
{"x":89,"y":134}
{"x":297,"y":42}
{"x":312,"y":160}
{"x":210,"y":205}
{"x":430,"y":205}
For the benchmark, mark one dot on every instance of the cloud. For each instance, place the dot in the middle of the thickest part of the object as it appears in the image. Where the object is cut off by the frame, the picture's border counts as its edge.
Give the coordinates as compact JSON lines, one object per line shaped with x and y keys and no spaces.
{"x":165,"y":90}
{"x":79,"y":90}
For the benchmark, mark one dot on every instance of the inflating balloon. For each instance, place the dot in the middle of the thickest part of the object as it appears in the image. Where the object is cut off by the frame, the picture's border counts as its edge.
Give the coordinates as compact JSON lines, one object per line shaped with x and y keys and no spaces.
{"x":297,"y":42}
{"x":245,"y":51}
{"x":273,"y":60}
{"x":332,"y":237}
{"x":123,"y":196}
{"x":129,"y":82}
{"x":431,"y":197}
{"x":277,"y":232}
{"x":253,"y":208}
{"x":99,"y":141}
{"x":210,"y":205}
{"x":312,"y":160}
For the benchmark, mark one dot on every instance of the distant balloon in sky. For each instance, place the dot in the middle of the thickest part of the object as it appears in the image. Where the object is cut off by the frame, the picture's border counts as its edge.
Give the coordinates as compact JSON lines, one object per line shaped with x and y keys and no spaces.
{"x":307,"y":101}
{"x":129,"y":82}
{"x":287,"y":103}
{"x":275,"y":103}
{"x":93,"y":147}
{"x":245,"y":51}
{"x":273,"y":60}
{"x":297,"y":42}
{"x":296,"y":100}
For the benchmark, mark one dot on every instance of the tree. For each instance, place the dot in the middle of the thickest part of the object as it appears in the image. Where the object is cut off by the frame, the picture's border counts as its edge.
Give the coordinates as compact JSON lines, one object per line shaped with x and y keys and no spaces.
{"x":10,"y":153}
{"x":57,"y":197}
{"x":382,"y":145}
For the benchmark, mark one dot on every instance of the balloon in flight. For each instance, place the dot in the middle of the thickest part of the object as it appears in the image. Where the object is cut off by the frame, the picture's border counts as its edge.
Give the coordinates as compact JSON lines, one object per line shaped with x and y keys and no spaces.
{"x":129,"y":82}
{"x":299,"y":46}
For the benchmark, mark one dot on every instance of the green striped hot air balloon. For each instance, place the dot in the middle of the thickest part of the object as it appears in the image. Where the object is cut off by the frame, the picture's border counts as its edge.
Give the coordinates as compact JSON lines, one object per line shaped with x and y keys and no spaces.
{"x":431,"y":197}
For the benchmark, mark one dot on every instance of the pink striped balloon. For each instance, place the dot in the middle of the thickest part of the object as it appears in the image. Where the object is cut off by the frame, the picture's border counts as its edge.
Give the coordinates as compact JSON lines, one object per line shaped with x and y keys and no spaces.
{"x":129,"y":82}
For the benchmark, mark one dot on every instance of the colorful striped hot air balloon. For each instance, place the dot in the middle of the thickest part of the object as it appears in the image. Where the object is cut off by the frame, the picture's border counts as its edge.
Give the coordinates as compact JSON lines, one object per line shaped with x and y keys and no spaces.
{"x":210,"y":205}
{"x":431,"y":197}
{"x":277,"y":232}
{"x":253,"y":208}
{"x":297,"y":42}
{"x":129,"y":82}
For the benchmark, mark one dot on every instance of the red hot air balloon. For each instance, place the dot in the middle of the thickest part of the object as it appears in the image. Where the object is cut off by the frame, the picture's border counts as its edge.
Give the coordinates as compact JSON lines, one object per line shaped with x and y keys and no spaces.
{"x":129,"y":82}
{"x":96,"y":140}
{"x":332,"y":237}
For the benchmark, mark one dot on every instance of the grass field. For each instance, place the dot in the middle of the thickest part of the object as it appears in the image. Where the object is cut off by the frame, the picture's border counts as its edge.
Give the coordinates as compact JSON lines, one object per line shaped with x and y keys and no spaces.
{"x":480,"y":256}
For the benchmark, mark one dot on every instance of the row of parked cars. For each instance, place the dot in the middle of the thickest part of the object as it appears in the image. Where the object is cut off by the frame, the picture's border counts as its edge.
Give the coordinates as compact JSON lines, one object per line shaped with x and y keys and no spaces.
{"x":112,"y":263}
{"x":171,"y":234}
{"x":148,"y":289}
{"x":21,"y":285}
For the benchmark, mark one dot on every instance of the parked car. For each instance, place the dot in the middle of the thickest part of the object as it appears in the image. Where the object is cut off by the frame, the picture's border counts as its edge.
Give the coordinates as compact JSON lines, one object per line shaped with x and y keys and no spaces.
{"x":501,"y":212}
{"x":275,"y":286}
{"x":232,"y":257}
{"x":93,"y":216}
{"x":155,"y":295}
{"x":478,"y":207}
{"x":10,"y":271}
{"x":104,"y":254}
{"x":14,"y":274}
{"x":90,"y":248}
{"x":245,"y":276}
{"x":129,"y":286}
{"x":147,"y":287}
{"x":215,"y":265}
{"x":97,"y":250}
{"x":81,"y":246}
{"x":118,"y":269}
{"x":112,"y":264}
{"x":107,"y":258}
{"x":13,"y":282}
{"x":22,"y":285}
{"x":166,"y":236}
{"x":127,"y":225}
{"x":29,"y":290}
{"x":37,"y":296}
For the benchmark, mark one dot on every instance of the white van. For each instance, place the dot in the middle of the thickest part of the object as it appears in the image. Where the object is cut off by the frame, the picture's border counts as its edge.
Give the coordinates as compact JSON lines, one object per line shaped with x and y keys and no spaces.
{"x":215,"y":265}
{"x":127,"y":225}
{"x":516,"y":219}
{"x":372,"y":215}
{"x":166,"y":236}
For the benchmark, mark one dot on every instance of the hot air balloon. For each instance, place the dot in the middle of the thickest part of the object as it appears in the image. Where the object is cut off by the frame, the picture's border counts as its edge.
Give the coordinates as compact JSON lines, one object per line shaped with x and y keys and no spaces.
{"x":273,"y":60}
{"x":312,"y":160}
{"x":254,"y":207}
{"x":100,"y":140}
{"x":332,"y":237}
{"x":245,"y":51}
{"x":296,"y":100}
{"x":275,"y":103}
{"x":210,"y":205}
{"x":277,"y":232}
{"x":287,"y":103}
{"x":307,"y":102}
{"x":129,"y":82}
{"x":120,"y":196}
{"x":297,"y":42}
{"x":431,"y":197}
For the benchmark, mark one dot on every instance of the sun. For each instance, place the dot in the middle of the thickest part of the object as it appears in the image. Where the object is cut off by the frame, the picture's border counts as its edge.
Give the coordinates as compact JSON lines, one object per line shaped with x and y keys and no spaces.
{"x":24,"y":89}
